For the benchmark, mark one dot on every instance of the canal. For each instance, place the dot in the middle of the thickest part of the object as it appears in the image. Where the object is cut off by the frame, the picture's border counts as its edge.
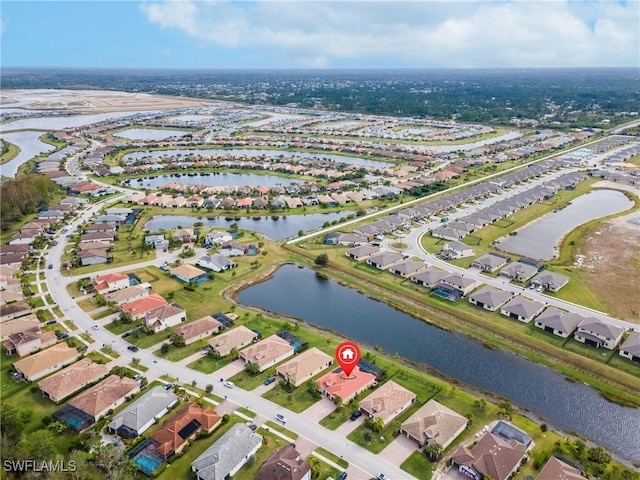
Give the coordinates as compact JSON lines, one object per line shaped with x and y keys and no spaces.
{"x":566,"y":405}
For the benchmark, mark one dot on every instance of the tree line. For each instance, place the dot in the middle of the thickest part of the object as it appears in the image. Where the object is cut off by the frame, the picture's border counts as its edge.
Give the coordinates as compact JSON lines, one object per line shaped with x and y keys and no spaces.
{"x":23,"y":196}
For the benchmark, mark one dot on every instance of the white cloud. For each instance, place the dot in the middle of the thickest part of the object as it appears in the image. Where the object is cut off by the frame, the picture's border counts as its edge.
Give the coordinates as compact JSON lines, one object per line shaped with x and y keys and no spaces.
{"x":420,"y":34}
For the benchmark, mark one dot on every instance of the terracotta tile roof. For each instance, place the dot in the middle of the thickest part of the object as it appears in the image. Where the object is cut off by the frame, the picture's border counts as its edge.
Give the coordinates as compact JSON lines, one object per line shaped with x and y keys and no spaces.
{"x":38,"y":362}
{"x":556,"y":469}
{"x":71,"y":379}
{"x":187,"y":271}
{"x":301,"y":366}
{"x":284,"y":464}
{"x":198,"y":327}
{"x":434,"y":422}
{"x":234,"y":338}
{"x":491,"y":456}
{"x":176,"y":431}
{"x":385,"y":401}
{"x":143,"y":305}
{"x":99,"y":398}
{"x":267,"y":350}
{"x":337,"y":384}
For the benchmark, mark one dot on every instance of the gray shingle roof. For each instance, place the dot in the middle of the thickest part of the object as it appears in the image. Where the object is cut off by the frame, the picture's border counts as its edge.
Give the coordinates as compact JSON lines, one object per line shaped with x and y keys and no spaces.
{"x":217,"y":461}
{"x":144,"y":409}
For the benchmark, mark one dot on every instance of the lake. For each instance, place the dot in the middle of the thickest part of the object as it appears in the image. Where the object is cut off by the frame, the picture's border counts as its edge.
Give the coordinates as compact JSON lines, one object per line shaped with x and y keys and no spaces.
{"x":280,"y":229}
{"x":224,"y":180}
{"x":565,"y":405}
{"x":30,"y":146}
{"x":150,"y":133}
{"x":249,"y":152}
{"x":539,"y":238}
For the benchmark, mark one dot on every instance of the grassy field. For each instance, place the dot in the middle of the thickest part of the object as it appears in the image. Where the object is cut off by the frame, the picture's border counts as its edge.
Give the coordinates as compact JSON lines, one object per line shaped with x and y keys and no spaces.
{"x":419,"y":466}
{"x":279,"y":428}
{"x":208,"y":364}
{"x":98,"y":357}
{"x":297,"y":401}
{"x":9,"y":152}
{"x":175,"y":354}
{"x":333,"y":457}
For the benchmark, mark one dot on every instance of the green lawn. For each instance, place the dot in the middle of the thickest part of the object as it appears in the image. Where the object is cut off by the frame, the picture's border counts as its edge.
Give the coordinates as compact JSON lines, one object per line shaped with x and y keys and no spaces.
{"x":109,"y":351}
{"x":139,"y":366}
{"x":98,"y":357}
{"x":419,"y":466}
{"x":338,"y":417}
{"x":270,"y":444}
{"x":297,"y":401}
{"x":70,"y":325}
{"x":117,"y":327}
{"x":175,"y":354}
{"x":333,"y":457}
{"x":279,"y":428}
{"x":246,"y":412}
{"x":144,"y":340}
{"x":86,"y":337}
{"x":209,"y":364}
{"x":104,"y":313}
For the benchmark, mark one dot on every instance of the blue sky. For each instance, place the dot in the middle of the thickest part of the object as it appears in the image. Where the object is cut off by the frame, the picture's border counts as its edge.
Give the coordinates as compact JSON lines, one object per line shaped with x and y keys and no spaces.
{"x":320,"y":34}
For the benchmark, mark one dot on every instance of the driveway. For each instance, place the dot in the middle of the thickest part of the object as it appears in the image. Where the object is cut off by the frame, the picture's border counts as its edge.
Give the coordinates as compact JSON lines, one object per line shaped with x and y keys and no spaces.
{"x":229,"y":370}
{"x":262,"y":388}
{"x":398,"y":450}
{"x":347,"y":427}
{"x":319,"y":410}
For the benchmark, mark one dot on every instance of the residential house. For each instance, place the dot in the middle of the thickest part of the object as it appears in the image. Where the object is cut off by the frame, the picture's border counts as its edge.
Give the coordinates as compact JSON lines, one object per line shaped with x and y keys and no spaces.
{"x":157,"y":241}
{"x":267,"y":352}
{"x":434,"y":423}
{"x":490,"y":262}
{"x":361,"y":253}
{"x":406,"y":268}
{"x":490,"y":298}
{"x":97,"y":237}
{"x":304,"y":366}
{"x":93,"y":257}
{"x":176,"y":432}
{"x":598,"y":333}
{"x":198,"y":329}
{"x":139,"y":308}
{"x":9,"y":311}
{"x":558,"y":322}
{"x":631,"y":347}
{"x":141,"y":414}
{"x":46,"y":361}
{"x":550,"y":281}
{"x":387,"y":401}
{"x":285,"y":464}
{"x":102,"y":228}
{"x":429,"y":277}
{"x":235,"y":249}
{"x":164,"y":316}
{"x":384,"y":260}
{"x":558,"y":469}
{"x":228,"y":454}
{"x":215,"y":237}
{"x":216,"y":262}
{"x":235,"y":338}
{"x":454,"y":250}
{"x":29,"y":341}
{"x":18,"y":325}
{"x":190,"y":274}
{"x":71,"y":379}
{"x":13,"y":259}
{"x":106,"y":395}
{"x":110,"y":282}
{"x":337,"y":384}
{"x":491,"y":456}
{"x":464,"y":285}
{"x":522,"y":309}
{"x":184,"y":235}
{"x":519,"y":271}
{"x":127,"y":295}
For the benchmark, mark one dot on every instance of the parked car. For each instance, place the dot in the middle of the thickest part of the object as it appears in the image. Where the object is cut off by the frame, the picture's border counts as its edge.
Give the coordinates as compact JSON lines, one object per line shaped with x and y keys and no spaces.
{"x":229,"y":384}
{"x":382,"y":476}
{"x":355,"y":415}
{"x":280,"y":417}
{"x":133,"y":348}
{"x":125,"y":334}
{"x":167,"y":386}
{"x":95,"y":327}
{"x":137,"y":377}
{"x":61,"y":335}
{"x":51,"y":322}
{"x":50,"y":266}
{"x":342,"y":476}
{"x":270,"y":380}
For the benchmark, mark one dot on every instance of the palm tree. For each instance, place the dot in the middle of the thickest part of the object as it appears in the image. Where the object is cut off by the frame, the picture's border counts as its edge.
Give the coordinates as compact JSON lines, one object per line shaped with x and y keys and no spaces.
{"x":433,"y":451}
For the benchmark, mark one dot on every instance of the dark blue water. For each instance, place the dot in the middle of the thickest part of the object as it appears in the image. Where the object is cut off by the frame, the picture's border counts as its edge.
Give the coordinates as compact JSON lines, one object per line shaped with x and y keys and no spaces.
{"x":568,"y":406}
{"x":283,"y":227}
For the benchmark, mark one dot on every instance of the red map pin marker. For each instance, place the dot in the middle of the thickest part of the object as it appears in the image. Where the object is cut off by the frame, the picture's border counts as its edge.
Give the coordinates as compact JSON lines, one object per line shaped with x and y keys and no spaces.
{"x":348,"y":356}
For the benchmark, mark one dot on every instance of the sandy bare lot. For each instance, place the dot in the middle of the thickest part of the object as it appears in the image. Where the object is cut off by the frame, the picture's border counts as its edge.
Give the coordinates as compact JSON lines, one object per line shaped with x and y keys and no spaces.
{"x":92,"y":101}
{"x":611,"y":263}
